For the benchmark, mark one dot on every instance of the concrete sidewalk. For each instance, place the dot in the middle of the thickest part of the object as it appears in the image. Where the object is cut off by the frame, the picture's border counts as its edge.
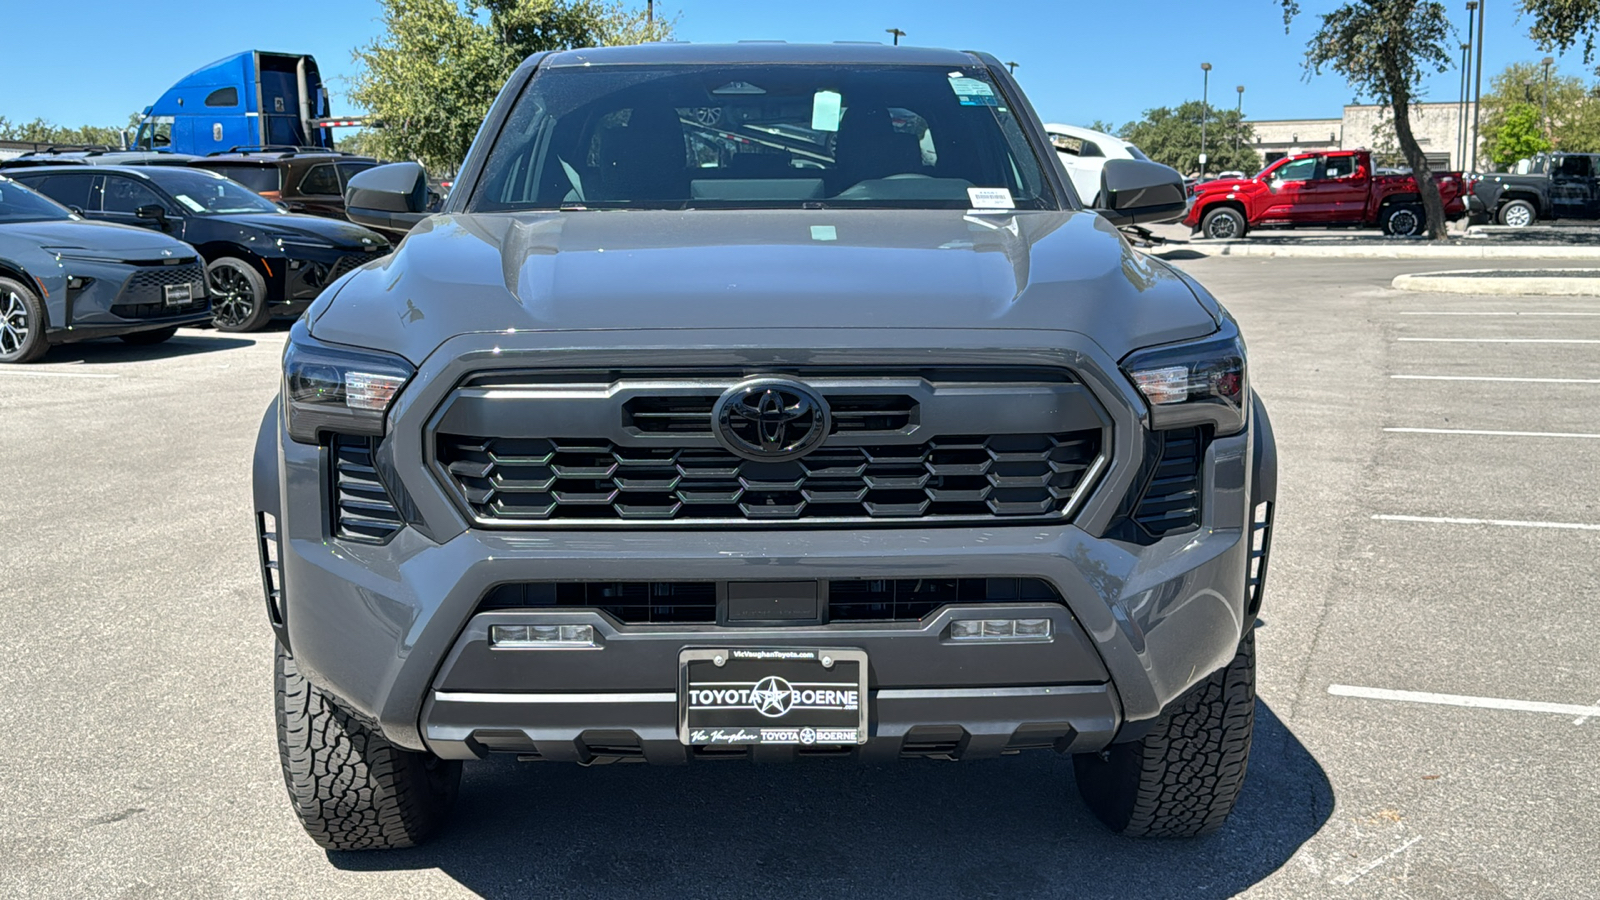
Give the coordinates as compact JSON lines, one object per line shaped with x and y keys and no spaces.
{"x":1539,"y":242}
{"x":1505,"y":282}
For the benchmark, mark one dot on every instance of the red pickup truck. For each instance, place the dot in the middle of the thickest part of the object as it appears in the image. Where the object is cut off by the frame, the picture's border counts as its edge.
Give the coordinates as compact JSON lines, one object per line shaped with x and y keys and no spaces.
{"x":1334,"y":188}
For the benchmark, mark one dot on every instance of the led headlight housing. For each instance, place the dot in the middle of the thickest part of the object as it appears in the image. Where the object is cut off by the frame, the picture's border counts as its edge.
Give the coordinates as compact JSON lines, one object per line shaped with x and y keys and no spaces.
{"x":1196,"y":382}
{"x":329,"y":388}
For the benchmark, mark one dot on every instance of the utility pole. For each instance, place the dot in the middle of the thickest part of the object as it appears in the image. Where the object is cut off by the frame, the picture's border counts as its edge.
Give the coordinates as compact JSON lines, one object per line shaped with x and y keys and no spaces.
{"x":898,"y":34}
{"x":1477,"y":92}
{"x":649,"y":13}
{"x":1205,"y":93}
{"x":1461,"y":104}
{"x":1544,"y":102}
{"x":1238,"y":120}
{"x":1012,"y":66}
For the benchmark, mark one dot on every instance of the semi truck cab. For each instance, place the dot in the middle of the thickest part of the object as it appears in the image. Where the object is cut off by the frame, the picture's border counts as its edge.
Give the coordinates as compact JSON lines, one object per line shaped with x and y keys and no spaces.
{"x":254,"y":98}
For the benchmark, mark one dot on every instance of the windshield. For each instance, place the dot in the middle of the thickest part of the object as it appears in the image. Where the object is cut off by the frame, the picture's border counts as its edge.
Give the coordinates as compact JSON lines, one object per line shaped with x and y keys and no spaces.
{"x":205,"y":194}
{"x":18,"y":204}
{"x":762,"y":136}
{"x":257,"y":178}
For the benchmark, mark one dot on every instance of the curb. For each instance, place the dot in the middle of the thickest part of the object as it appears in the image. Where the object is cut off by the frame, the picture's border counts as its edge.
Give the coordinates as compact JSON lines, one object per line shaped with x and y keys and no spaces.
{"x":1406,"y":250}
{"x":1547,"y":285}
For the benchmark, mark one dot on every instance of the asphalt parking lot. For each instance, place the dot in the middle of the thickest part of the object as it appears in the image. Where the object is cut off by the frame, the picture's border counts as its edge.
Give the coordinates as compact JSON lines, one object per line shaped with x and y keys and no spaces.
{"x":1428,"y":653}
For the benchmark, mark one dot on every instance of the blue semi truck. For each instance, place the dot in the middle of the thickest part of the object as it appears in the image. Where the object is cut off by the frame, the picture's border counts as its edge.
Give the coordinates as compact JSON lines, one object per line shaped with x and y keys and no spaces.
{"x":251,"y":99}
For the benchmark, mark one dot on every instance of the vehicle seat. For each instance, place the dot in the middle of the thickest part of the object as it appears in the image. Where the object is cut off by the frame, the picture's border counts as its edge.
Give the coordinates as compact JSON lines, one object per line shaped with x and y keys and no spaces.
{"x":644,"y":161}
{"x":869,"y":148}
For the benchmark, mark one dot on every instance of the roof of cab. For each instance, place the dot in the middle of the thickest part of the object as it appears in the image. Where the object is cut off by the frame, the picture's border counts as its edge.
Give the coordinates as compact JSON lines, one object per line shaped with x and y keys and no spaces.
{"x":682,"y":52}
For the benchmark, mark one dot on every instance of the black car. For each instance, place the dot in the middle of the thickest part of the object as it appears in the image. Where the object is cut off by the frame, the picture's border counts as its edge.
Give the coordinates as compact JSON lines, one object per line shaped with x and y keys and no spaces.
{"x":1555,"y":186}
{"x":260,"y":260}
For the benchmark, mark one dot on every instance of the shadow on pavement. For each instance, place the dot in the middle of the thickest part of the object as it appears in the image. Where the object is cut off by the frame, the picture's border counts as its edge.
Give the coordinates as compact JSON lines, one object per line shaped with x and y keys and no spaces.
{"x":187,"y":342}
{"x":1009,"y":827}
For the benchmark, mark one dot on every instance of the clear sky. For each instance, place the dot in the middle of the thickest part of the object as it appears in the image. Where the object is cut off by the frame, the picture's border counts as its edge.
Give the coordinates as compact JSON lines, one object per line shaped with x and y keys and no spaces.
{"x":96,"y":61}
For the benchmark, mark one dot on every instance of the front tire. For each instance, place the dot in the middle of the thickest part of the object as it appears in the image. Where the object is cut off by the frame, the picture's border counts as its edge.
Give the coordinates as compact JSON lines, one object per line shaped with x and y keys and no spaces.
{"x":1181,"y":779}
{"x":1518,"y":214}
{"x":150,"y":338}
{"x":1223,"y":223}
{"x":351,"y":787}
{"x":1403,"y":221}
{"x":22,"y":338}
{"x":238,"y":295}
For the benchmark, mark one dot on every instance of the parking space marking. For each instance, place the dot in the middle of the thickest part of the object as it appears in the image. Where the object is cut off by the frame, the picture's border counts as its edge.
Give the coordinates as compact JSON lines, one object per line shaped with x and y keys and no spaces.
{"x":1529,"y":314}
{"x":46,"y":373}
{"x":1538,"y":706}
{"x":1496,"y":378}
{"x":1500,"y":340}
{"x":1548,"y":434}
{"x":1506,"y":523}
{"x":1350,"y":879}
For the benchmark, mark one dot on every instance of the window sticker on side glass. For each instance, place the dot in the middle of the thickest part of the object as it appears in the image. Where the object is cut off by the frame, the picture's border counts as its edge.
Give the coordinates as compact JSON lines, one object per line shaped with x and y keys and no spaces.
{"x":188,"y":201}
{"x":991,"y":198}
{"x":825,"y":109}
{"x":973,"y":91}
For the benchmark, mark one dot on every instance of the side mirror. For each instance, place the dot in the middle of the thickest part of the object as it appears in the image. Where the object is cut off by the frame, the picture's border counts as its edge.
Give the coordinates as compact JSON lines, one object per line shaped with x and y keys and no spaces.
{"x":389,"y":198}
{"x":1136,"y":192}
{"x":154,"y":211}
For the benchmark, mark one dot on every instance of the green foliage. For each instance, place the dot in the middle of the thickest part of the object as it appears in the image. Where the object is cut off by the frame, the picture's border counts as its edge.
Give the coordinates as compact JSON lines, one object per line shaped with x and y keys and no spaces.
{"x":1573,"y":108}
{"x":1383,"y":48}
{"x":1564,"y":24}
{"x":40,"y":131}
{"x":431,"y":77}
{"x":1520,"y":135}
{"x":1172,"y":137}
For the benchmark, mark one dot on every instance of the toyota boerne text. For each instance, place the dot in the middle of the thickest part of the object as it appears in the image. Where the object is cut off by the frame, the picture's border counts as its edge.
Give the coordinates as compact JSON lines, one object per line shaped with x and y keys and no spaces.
{"x":763,"y":401}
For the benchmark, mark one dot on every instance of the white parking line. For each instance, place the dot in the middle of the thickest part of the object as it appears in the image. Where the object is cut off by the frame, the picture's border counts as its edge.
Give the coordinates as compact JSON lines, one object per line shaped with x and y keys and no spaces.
{"x":1529,"y":314}
{"x":1500,"y":340}
{"x":1549,"y":434}
{"x":1507,"y":523}
{"x":1496,"y":378}
{"x":46,"y":373}
{"x":1367,"y":693}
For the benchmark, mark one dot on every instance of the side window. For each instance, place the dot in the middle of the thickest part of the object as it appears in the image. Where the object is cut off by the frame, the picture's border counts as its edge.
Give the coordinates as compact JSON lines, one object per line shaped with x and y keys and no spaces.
{"x":321,"y":179}
{"x":1340,"y":167}
{"x":125,"y":195}
{"x":225,"y":97}
{"x":67,"y":190}
{"x":347,"y":169}
{"x":1575,"y":166}
{"x":1299,"y":170}
{"x":1090,"y":148}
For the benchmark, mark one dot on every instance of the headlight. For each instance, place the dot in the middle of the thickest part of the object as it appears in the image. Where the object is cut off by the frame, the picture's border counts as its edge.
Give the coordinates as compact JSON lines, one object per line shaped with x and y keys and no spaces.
{"x":328,"y":388}
{"x":1194,"y":383}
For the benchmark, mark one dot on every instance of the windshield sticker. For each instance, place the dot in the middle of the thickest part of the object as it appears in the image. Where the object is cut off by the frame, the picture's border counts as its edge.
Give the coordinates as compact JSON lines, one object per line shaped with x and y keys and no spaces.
{"x":973,"y":92}
{"x":824,"y":233}
{"x":825,"y":107}
{"x":188,"y":201}
{"x":991,"y":198}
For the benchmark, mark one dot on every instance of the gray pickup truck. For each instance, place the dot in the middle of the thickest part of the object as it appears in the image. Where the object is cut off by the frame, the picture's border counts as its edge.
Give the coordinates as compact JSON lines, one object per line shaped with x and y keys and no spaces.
{"x":1554,"y":186}
{"x":763,"y":401}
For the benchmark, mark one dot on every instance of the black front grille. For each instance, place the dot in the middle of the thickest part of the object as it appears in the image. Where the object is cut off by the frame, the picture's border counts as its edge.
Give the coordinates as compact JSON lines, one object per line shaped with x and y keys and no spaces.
{"x":1171,"y":501}
{"x":695,"y":602}
{"x":144,"y":296}
{"x":510,"y":480}
{"x":362,"y":508}
{"x":353,"y":260}
{"x":691,"y":415}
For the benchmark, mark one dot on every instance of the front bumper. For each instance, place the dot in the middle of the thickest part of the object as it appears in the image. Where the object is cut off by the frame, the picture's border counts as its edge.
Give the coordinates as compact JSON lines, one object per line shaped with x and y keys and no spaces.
{"x":118,"y":298}
{"x":306,"y":270}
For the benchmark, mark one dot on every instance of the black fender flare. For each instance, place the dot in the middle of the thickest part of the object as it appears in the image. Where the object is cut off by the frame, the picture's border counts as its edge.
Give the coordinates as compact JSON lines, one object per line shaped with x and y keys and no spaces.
{"x":1263,"y":489}
{"x":268,"y":501}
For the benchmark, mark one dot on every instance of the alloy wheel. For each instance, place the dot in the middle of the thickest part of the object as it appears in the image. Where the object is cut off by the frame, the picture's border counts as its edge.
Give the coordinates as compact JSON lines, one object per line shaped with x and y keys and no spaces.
{"x":1518,"y":216}
{"x":13,"y":324}
{"x":1223,"y":228}
{"x":1405,"y":222}
{"x":232,"y":298}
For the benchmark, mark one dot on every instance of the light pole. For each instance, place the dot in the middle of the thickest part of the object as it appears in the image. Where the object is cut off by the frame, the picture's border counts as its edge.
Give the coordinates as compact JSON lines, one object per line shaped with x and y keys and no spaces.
{"x":1544,"y":102}
{"x":1461,"y":103}
{"x":898,"y":34}
{"x":1477,"y":91}
{"x":1205,"y":93}
{"x":1238,"y":120}
{"x":1012,"y":66}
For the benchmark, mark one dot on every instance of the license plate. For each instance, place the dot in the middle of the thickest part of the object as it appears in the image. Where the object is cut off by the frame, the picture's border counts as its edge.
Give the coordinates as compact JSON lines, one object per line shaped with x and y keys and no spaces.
{"x":747,"y":696}
{"x":179,"y":294}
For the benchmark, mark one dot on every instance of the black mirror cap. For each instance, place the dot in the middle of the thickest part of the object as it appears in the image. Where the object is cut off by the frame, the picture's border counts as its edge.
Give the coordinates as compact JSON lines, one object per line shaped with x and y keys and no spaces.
{"x":151,"y":211}
{"x":389,"y":198}
{"x":1136,"y":192}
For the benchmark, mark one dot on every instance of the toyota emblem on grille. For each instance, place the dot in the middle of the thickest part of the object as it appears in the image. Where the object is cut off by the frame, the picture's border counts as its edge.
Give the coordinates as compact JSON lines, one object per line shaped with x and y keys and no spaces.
{"x":770,"y":419}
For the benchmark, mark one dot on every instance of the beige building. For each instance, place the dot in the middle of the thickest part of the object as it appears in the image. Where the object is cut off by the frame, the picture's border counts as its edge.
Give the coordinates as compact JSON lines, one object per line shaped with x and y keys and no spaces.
{"x":1436,"y":126}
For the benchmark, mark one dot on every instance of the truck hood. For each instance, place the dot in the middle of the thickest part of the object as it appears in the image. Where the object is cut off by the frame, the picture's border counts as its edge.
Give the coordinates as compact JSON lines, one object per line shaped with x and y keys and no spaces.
{"x":99,"y":239}
{"x":751,"y":270}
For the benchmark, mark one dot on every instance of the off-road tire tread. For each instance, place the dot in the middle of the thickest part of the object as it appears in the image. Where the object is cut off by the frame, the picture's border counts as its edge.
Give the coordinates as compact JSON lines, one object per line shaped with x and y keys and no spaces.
{"x":1181,"y":779}
{"x":351,"y":787}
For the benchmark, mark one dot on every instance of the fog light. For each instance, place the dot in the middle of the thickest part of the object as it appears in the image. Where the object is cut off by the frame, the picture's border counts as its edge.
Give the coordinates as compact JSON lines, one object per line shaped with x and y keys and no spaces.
{"x":994,"y":630}
{"x":539,"y":637}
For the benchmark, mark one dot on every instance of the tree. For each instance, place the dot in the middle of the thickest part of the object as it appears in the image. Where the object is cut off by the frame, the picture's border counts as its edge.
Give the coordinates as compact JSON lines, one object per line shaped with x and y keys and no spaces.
{"x":1563,"y":24}
{"x":1382,"y":48}
{"x":1519,"y":135}
{"x":1573,"y":108}
{"x":40,"y":131}
{"x":432,"y":75}
{"x":1172,"y":137}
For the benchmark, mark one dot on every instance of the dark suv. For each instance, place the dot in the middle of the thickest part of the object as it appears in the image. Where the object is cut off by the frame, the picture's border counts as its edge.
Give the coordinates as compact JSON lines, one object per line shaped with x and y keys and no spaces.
{"x":762,"y":401}
{"x":260,"y":260}
{"x":306,"y":180}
